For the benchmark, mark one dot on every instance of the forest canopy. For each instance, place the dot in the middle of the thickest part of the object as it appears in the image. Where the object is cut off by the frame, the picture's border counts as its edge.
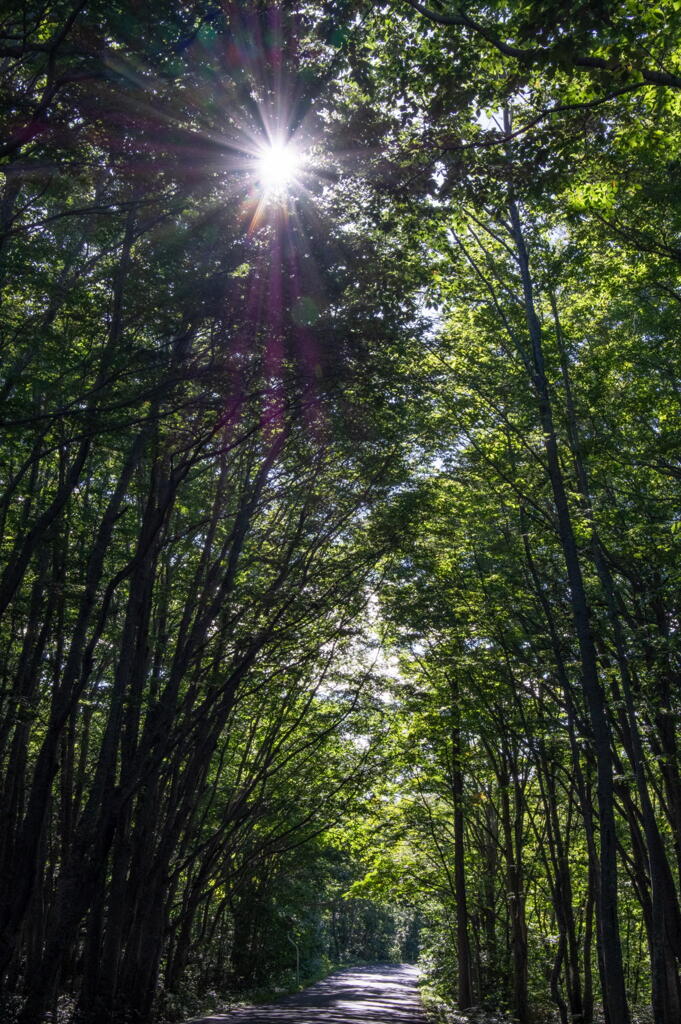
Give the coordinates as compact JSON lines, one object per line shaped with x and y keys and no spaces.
{"x":340,"y":532}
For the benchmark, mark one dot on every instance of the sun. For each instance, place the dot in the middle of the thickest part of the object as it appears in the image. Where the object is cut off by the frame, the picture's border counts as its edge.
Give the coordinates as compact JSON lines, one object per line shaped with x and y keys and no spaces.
{"x":278,"y":166}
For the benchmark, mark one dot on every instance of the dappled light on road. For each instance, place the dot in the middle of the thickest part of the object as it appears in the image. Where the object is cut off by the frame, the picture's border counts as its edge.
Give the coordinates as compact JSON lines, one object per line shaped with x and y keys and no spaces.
{"x":381,"y":993}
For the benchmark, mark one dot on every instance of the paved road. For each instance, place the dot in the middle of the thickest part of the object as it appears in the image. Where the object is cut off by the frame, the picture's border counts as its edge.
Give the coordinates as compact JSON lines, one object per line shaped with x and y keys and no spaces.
{"x":382,"y":994}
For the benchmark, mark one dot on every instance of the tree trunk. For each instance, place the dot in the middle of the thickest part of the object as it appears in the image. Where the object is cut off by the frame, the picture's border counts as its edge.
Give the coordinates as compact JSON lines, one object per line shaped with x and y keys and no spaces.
{"x":614,"y":991}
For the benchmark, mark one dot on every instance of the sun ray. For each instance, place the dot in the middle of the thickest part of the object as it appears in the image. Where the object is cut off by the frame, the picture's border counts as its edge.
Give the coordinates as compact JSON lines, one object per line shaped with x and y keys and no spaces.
{"x":278,"y":166}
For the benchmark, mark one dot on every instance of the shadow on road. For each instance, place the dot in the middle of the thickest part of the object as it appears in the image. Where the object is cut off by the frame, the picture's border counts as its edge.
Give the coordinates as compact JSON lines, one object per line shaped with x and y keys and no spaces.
{"x":382,"y":993}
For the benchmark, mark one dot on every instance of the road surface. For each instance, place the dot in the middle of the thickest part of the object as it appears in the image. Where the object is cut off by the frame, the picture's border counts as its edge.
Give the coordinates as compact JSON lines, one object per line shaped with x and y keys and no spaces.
{"x":381,"y":994}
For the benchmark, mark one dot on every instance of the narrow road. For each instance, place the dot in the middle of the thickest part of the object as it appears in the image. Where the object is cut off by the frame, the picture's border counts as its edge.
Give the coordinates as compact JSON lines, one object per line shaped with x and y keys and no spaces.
{"x":382,"y":994}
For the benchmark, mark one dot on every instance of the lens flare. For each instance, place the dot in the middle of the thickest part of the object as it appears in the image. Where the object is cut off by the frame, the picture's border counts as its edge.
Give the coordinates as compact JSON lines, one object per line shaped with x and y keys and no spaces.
{"x":278,"y":166}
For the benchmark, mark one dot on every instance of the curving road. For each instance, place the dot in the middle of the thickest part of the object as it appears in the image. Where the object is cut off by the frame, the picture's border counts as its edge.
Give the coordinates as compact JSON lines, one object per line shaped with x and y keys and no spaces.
{"x":381,"y":994}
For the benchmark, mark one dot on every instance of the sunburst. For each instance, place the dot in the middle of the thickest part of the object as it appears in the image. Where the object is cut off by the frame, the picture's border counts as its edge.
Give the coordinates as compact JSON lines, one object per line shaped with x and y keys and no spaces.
{"x":278,"y":167}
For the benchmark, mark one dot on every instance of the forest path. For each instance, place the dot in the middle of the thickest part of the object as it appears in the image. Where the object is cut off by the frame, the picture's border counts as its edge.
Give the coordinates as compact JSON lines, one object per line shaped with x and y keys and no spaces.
{"x":382,"y":994}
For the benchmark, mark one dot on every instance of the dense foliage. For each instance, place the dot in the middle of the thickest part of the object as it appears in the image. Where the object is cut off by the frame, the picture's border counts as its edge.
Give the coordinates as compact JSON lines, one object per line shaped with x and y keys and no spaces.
{"x":340,"y":525}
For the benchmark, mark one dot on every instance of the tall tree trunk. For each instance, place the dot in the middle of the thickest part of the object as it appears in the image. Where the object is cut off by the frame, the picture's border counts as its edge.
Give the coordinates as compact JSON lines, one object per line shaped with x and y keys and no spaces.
{"x":614,"y":990}
{"x":463,"y":949}
{"x":666,"y":916}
